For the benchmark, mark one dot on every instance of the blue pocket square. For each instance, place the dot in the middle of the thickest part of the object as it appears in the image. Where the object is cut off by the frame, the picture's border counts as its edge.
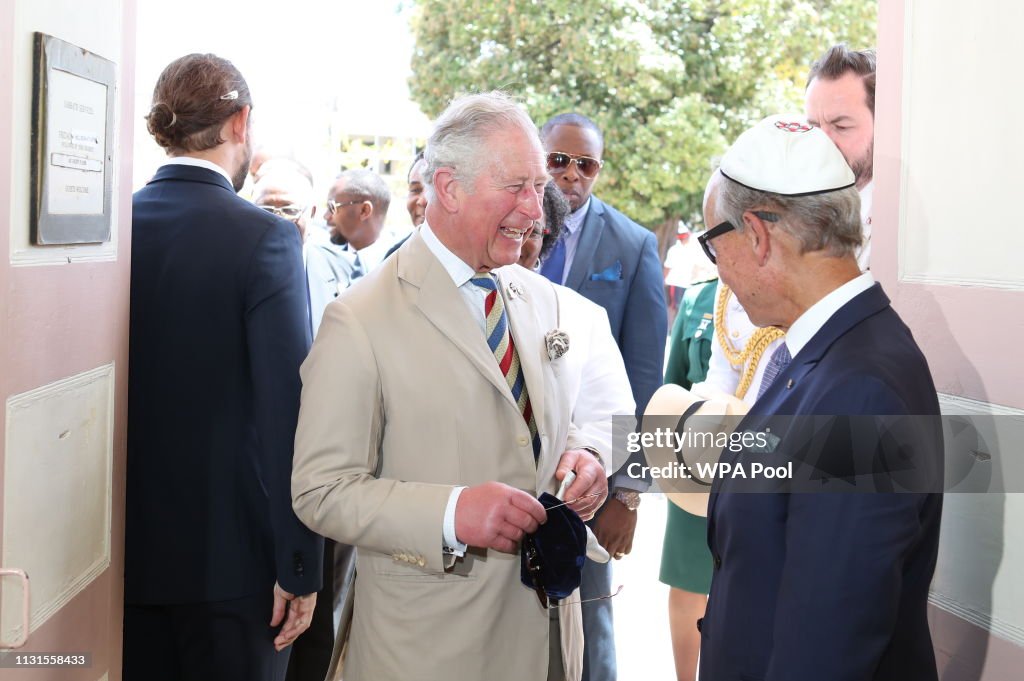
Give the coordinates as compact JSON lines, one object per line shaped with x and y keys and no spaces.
{"x":613,"y":273}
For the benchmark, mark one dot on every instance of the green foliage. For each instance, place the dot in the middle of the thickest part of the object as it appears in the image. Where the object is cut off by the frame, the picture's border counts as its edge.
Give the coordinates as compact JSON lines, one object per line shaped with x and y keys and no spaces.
{"x":670,"y":82}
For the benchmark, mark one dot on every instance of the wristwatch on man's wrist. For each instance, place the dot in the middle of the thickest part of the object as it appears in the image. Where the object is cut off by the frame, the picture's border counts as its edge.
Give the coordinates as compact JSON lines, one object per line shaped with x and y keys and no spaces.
{"x":628,"y":498}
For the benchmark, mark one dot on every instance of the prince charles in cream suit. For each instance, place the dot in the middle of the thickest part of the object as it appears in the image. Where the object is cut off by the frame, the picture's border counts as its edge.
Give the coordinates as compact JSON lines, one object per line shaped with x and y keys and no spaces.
{"x":410,"y":443}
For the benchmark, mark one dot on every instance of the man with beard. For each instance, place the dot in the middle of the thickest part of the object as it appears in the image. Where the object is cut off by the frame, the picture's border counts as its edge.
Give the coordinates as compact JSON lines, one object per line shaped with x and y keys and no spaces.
{"x":220,"y":575}
{"x":840,"y":100}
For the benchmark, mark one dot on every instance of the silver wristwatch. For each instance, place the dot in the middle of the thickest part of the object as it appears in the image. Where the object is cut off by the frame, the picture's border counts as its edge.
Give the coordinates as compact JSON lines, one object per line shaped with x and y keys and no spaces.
{"x":628,"y":498}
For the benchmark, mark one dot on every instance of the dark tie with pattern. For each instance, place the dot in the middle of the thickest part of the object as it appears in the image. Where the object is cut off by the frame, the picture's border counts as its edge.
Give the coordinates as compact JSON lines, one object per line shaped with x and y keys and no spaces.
{"x":778,"y":362}
{"x":357,"y":268}
{"x":500,"y":341}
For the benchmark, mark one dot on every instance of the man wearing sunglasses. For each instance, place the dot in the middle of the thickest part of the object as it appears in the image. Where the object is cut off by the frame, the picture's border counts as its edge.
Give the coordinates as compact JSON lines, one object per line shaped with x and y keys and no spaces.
{"x":827,"y":576}
{"x":614,"y":262}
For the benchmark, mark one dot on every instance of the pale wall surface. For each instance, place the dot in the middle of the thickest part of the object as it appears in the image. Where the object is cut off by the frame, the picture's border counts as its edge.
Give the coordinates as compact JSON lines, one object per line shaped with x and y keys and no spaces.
{"x":64,"y":314}
{"x":947,"y":250}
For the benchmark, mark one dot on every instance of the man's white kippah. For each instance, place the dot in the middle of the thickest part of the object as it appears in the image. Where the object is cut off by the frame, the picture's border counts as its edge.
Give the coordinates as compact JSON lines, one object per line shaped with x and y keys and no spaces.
{"x":784,"y":154}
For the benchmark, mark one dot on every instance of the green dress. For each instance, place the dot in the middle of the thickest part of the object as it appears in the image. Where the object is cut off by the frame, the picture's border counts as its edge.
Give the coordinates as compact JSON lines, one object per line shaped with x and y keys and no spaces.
{"x":685,"y":557}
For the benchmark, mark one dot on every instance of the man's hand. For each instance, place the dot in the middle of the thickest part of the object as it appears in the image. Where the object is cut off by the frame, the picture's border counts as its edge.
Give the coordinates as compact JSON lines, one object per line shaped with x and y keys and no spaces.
{"x":300,"y":614}
{"x":496,"y":516}
{"x":614,"y":528}
{"x":589,"y":480}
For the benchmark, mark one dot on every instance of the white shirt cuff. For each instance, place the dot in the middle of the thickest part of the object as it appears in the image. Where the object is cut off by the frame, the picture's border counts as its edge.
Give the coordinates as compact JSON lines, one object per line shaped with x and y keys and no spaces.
{"x":452,"y":545}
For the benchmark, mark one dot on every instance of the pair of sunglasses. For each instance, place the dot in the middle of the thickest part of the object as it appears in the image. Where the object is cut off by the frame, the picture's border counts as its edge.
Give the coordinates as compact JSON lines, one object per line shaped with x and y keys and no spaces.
{"x":289,"y":212}
{"x":559,"y":162}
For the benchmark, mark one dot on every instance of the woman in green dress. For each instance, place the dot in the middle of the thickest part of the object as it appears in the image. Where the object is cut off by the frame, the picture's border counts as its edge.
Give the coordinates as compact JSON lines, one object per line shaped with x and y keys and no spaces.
{"x":685,"y":558}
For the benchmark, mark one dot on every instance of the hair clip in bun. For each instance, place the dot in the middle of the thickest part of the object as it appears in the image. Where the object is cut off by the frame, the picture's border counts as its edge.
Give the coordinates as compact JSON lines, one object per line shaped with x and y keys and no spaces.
{"x":230,"y":95}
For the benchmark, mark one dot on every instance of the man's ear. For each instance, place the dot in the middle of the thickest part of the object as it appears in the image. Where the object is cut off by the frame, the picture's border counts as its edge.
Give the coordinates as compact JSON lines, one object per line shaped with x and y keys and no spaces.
{"x":759,"y":236}
{"x":365,"y":210}
{"x":239,"y":125}
{"x":448,"y":189}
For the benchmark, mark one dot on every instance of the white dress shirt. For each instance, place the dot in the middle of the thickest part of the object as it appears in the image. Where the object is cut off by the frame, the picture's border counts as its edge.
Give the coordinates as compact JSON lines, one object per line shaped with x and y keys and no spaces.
{"x":475,"y":298}
{"x":817,"y":315}
{"x":197,"y":163}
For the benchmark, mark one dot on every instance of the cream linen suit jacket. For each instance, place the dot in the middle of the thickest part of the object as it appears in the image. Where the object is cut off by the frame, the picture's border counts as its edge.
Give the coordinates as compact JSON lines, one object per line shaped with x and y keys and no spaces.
{"x":402,"y":399}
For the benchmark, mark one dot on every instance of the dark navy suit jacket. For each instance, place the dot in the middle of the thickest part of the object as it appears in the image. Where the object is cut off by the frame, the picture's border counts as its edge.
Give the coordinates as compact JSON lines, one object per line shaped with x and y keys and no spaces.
{"x":218,"y":330}
{"x":616,"y":265}
{"x":815,"y":586}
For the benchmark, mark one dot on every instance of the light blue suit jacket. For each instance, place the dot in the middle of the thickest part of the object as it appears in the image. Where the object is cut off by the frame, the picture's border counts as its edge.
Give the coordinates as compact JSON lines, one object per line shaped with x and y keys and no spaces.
{"x":328,"y":273}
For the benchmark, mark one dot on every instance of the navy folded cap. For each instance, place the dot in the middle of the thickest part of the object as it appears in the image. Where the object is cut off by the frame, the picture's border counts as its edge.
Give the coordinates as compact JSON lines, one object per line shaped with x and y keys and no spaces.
{"x":555,"y":552}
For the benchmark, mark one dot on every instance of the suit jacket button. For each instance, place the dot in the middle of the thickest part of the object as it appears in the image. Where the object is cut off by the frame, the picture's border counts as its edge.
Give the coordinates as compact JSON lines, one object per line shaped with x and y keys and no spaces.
{"x":718,"y":561}
{"x":297,"y":564}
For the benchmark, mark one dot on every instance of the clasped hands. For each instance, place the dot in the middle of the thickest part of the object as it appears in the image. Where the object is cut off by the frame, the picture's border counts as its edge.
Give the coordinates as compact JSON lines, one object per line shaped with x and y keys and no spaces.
{"x":496,"y":516}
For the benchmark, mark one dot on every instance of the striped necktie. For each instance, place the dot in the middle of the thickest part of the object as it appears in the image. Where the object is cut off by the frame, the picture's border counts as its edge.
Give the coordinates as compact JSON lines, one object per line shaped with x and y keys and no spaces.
{"x":500,"y":341}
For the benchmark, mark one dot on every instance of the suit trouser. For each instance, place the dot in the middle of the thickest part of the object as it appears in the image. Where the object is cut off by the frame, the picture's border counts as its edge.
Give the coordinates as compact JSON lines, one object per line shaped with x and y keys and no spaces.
{"x":598,"y":630}
{"x":223,"y":640}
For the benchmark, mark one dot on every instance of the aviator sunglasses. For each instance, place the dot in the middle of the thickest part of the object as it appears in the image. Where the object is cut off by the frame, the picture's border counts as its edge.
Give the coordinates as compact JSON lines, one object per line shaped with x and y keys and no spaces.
{"x":559,"y":162}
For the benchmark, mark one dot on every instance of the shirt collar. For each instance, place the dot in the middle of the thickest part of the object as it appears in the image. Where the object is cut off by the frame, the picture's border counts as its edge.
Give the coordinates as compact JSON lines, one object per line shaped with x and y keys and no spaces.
{"x":456,"y":268}
{"x":198,"y":163}
{"x":817,"y":315}
{"x":576,"y":218}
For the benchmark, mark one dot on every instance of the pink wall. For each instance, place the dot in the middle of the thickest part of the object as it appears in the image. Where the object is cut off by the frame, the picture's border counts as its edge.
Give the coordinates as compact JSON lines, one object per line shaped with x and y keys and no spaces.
{"x":969,"y":334}
{"x":61,"y":320}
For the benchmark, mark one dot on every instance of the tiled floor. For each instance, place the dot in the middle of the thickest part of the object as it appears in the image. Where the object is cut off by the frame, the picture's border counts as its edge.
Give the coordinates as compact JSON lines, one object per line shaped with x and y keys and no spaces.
{"x":641,"y":611}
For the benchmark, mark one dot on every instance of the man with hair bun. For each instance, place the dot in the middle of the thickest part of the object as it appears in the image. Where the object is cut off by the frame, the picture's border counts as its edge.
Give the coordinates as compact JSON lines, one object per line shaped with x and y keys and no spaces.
{"x":220,"y":575}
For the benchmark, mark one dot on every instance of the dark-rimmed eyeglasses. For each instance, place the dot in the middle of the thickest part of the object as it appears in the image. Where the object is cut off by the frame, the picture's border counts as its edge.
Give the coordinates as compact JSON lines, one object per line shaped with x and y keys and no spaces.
{"x":724,"y":227}
{"x":333,"y":206}
{"x":559,"y":162}
{"x":289,"y":212}
{"x":706,"y":237}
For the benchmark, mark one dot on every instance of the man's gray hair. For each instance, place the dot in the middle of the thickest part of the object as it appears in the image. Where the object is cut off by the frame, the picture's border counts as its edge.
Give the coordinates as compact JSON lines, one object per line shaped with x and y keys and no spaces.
{"x":819,"y":222}
{"x":457,"y":140}
{"x":368,"y":186}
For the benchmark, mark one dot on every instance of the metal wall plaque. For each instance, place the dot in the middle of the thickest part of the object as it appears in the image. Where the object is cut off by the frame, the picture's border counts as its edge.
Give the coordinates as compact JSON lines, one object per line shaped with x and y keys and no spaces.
{"x":73,"y":100}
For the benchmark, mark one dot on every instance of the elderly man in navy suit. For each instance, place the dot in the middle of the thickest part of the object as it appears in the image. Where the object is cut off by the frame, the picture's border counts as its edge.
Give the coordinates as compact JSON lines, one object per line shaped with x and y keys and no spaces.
{"x":830,"y":584}
{"x":614,"y":262}
{"x":220,"y":575}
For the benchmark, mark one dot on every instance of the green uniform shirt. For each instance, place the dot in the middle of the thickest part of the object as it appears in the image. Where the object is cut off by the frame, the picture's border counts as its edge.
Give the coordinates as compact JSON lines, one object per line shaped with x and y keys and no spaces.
{"x":692,"y":335}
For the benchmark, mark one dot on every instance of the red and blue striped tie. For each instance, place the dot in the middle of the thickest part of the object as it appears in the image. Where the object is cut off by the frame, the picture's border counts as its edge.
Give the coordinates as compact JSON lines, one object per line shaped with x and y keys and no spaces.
{"x":500,"y":341}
